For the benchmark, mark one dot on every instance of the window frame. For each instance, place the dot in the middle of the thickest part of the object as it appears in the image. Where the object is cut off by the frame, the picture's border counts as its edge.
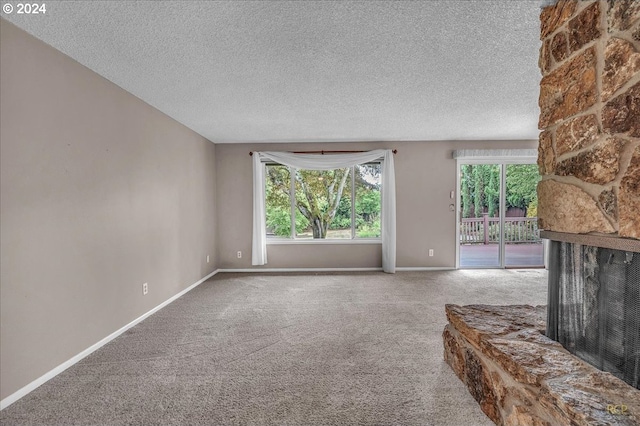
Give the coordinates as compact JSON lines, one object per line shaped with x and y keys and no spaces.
{"x":277,"y":240}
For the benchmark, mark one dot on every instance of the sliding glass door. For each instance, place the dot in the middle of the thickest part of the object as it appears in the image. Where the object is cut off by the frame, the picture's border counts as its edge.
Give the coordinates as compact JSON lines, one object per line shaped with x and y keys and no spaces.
{"x":522,"y":243}
{"x":497,"y":223}
{"x":479,"y":235}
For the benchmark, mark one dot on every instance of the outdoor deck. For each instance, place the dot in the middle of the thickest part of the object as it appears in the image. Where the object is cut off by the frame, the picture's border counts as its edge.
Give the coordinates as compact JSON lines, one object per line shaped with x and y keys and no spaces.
{"x":487,"y":255}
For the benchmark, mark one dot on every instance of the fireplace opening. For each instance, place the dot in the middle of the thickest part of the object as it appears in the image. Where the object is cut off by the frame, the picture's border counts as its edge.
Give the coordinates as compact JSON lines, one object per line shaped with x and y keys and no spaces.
{"x":594,"y":306}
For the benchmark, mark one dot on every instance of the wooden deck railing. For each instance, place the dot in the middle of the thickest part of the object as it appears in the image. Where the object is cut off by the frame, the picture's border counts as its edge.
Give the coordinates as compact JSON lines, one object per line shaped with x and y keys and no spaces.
{"x":486,"y":230}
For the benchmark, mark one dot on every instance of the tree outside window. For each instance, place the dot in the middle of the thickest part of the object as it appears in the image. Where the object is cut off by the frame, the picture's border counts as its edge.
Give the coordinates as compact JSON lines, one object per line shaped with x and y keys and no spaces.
{"x":332,"y":204}
{"x":480,"y":189}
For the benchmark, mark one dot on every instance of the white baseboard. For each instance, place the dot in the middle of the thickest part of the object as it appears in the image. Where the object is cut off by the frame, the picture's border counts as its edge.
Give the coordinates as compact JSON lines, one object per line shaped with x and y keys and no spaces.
{"x":259,"y":270}
{"x":425,"y":268}
{"x":400,"y":269}
{"x":59,"y":369}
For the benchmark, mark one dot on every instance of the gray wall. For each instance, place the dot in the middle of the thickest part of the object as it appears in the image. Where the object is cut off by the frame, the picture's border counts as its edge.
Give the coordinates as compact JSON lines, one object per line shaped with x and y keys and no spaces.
{"x":99,"y":193}
{"x":425,"y":176}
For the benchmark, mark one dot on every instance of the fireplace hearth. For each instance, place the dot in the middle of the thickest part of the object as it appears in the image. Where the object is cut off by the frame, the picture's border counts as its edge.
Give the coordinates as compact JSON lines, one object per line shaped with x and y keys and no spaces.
{"x":519,"y":376}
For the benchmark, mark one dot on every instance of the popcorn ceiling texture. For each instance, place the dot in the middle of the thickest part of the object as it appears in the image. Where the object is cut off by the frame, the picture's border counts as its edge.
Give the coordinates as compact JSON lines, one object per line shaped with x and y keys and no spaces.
{"x":283,"y":71}
{"x":589,"y":151}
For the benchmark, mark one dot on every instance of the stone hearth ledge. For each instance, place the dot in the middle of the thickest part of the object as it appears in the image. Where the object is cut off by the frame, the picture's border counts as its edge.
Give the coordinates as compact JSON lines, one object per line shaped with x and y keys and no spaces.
{"x":521,"y":377}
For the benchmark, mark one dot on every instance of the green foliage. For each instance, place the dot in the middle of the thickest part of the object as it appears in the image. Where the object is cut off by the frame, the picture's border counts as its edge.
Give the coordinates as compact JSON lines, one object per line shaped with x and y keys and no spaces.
{"x":522,"y":180}
{"x":369,"y":230}
{"x":277,"y":188}
{"x":279,"y":221}
{"x":323,"y":201}
{"x":368,"y":203}
{"x":478,"y":191}
{"x":343,"y":215}
{"x":532,"y":208}
{"x":480,"y":188}
{"x":466,"y":181}
{"x":491,"y":173}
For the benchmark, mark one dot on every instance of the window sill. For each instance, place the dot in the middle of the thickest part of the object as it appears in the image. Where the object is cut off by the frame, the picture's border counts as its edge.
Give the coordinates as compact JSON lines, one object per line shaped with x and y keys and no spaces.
{"x":283,"y":241}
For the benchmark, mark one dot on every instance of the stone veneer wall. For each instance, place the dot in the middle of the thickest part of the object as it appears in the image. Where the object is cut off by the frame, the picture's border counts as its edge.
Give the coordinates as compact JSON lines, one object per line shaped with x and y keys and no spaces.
{"x":589,"y":151}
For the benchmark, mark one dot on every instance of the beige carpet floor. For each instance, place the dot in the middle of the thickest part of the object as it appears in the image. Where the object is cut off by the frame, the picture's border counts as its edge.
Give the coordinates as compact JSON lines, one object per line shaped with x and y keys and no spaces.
{"x":290,"y":349}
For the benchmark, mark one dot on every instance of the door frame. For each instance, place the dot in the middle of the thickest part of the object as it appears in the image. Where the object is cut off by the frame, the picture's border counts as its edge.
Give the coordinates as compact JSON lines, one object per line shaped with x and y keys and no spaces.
{"x":499,"y":157}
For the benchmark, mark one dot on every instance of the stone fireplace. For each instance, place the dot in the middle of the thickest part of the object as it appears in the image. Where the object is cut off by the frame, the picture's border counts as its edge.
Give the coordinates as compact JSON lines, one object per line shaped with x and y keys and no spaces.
{"x":589,"y":149}
{"x":589,"y":195}
{"x":579,"y":363}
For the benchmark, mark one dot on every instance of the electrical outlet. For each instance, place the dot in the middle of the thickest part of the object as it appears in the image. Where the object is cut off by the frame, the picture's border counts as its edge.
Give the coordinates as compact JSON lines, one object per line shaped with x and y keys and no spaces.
{"x":145,"y":288}
{"x":239,"y":254}
{"x":207,"y":258}
{"x":430,"y":252}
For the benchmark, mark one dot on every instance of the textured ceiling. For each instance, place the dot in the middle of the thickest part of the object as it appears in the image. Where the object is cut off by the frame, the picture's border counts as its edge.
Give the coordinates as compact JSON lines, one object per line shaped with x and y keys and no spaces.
{"x":290,"y":71}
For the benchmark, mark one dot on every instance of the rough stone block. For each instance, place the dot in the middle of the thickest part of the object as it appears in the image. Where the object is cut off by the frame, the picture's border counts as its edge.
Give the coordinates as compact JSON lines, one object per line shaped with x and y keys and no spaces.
{"x":599,"y":165}
{"x":552,"y":17}
{"x":530,"y":362}
{"x":521,"y":415}
{"x":608,"y":203}
{"x":629,"y":199}
{"x":569,"y":89}
{"x":480,"y":385}
{"x":576,"y":134}
{"x":453,"y":354}
{"x":622,"y":113}
{"x":566,"y":208}
{"x":474,"y":323}
{"x":621,"y":14}
{"x":546,"y":156}
{"x":544,"y":61}
{"x":560,"y":46}
{"x":621,"y":63}
{"x":584,"y":395}
{"x":585,"y":27}
{"x":524,"y":378}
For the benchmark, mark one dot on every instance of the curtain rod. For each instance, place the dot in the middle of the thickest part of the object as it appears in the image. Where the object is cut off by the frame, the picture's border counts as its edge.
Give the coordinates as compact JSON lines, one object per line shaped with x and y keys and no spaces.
{"x":395,"y":151}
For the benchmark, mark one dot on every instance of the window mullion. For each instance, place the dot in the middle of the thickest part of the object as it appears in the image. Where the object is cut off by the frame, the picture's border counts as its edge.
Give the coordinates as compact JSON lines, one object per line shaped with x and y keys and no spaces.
{"x":353,"y":202}
{"x":292,"y":175}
